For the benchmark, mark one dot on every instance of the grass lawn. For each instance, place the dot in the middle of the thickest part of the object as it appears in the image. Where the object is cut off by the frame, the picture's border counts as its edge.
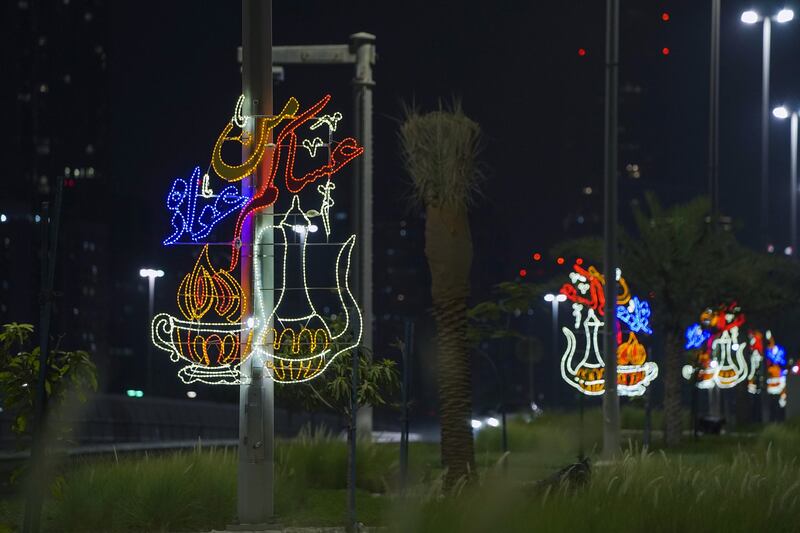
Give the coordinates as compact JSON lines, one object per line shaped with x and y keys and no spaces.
{"x":717,"y":483}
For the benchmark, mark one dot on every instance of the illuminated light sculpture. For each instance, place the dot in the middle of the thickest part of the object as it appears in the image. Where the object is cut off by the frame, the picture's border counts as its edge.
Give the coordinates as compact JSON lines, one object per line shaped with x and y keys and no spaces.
{"x":764,"y":348}
{"x":696,"y":337}
{"x":329,"y":120}
{"x":303,"y":361}
{"x":205,"y":287}
{"x":341,"y":153}
{"x":198,"y":222}
{"x":213,"y":351}
{"x":312,"y":145}
{"x":634,"y":372}
{"x":719,"y":359}
{"x":215,"y":335}
{"x":264,"y":125}
{"x":755,"y":341}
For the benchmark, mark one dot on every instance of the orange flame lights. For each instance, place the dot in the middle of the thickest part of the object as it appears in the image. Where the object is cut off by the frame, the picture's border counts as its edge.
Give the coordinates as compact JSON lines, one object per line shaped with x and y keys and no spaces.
{"x":204,"y":288}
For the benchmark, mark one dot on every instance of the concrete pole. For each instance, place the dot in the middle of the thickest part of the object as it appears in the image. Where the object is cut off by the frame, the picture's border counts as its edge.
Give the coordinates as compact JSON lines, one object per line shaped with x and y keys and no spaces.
{"x":610,"y":398}
{"x":363,"y":46}
{"x":255,"y":487}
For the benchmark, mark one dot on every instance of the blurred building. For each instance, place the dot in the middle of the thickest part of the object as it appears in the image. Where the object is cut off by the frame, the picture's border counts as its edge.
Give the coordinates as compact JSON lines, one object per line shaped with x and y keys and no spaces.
{"x":55,"y":61}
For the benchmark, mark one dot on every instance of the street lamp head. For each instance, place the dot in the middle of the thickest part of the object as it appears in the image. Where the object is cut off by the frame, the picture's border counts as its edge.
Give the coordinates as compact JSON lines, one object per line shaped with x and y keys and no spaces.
{"x":151,"y":273}
{"x":561,"y":298}
{"x":750,"y":17}
{"x":780,"y":112}
{"x":784,"y":15}
{"x":549,"y":297}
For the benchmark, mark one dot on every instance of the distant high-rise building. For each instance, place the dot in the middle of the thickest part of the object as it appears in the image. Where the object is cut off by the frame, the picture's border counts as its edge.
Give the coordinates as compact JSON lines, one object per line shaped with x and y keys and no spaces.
{"x":56,"y":130}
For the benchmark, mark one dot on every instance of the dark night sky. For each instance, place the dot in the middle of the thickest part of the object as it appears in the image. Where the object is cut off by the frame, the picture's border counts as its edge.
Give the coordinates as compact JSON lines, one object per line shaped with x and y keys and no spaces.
{"x":515,"y":66}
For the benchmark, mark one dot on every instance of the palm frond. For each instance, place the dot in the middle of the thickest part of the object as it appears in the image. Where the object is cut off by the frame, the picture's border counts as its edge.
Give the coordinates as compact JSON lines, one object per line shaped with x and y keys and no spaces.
{"x":440,"y":151}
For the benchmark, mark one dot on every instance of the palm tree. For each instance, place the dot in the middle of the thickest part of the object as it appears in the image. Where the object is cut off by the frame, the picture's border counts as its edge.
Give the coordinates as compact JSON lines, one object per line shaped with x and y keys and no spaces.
{"x":678,"y":258}
{"x":440,"y":151}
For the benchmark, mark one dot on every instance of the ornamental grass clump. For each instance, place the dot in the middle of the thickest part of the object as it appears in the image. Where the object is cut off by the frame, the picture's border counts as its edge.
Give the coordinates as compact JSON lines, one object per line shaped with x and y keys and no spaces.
{"x":640,"y":492}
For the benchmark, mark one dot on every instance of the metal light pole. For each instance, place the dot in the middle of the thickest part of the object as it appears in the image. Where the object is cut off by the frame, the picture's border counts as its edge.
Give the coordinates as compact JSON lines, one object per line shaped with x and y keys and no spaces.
{"x":408,"y":355}
{"x":363,"y":46}
{"x":554,"y":300}
{"x":151,"y":274}
{"x":610,"y":397}
{"x":38,"y":476}
{"x":361,"y":53}
{"x":255,"y":480}
{"x":783,"y":113}
{"x":713,"y":116}
{"x":752,"y":17}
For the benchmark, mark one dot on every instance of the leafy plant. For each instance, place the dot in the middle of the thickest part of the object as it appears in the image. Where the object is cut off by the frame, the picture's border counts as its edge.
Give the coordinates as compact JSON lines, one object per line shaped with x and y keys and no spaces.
{"x":68,"y":371}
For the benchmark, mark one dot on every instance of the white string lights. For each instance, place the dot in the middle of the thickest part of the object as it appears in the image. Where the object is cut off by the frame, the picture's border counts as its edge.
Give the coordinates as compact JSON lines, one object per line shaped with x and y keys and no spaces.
{"x":312,"y":145}
{"x":331,"y":121}
{"x":719,"y":355}
{"x":306,"y":361}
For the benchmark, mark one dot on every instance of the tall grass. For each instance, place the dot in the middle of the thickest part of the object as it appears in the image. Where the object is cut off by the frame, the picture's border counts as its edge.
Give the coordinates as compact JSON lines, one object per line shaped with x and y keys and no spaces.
{"x":641,"y":492}
{"x":196,"y":490}
{"x":175,"y":491}
{"x":718,"y":484}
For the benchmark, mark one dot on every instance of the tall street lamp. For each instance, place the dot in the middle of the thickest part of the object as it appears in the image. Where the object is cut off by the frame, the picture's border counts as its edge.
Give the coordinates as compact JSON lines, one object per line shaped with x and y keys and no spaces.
{"x":753,"y":17}
{"x":151,"y":274}
{"x":554,"y":300}
{"x":782,"y":112}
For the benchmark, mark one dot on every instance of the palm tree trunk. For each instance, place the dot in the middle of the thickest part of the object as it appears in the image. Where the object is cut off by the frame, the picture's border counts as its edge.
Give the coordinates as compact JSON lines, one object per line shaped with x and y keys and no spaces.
{"x":448,"y":247}
{"x":673,"y":362}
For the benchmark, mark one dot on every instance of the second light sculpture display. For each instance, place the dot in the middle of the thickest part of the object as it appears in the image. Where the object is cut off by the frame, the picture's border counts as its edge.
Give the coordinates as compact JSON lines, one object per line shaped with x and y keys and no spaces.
{"x":582,"y":364}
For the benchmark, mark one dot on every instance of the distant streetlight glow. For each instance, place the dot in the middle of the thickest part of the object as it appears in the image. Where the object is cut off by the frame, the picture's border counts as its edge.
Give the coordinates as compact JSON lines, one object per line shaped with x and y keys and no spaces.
{"x":151,"y":273}
{"x":476,"y":424}
{"x":492,"y":421}
{"x":750,"y":17}
{"x":555,"y":297}
{"x":784,"y":15}
{"x":780,"y":112}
